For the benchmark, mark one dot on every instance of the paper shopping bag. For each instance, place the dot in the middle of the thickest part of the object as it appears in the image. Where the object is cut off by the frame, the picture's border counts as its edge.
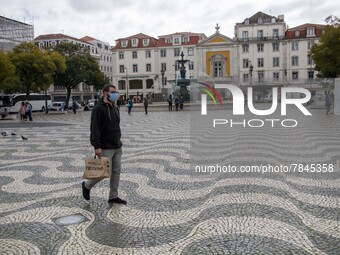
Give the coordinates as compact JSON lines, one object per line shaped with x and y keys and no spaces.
{"x":97,"y":168}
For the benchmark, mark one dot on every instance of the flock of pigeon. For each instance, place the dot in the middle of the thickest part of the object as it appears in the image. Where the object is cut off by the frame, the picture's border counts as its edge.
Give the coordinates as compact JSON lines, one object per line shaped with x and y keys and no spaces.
{"x":13,"y":134}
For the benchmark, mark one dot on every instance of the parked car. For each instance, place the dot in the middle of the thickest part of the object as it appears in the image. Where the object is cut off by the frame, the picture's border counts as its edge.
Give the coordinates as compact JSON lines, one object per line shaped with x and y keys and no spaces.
{"x":92,"y":102}
{"x":56,"y":106}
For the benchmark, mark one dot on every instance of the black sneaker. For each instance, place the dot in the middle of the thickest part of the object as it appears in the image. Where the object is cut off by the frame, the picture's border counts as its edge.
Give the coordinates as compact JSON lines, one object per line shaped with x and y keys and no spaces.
{"x":86,"y":192}
{"x":117,"y":200}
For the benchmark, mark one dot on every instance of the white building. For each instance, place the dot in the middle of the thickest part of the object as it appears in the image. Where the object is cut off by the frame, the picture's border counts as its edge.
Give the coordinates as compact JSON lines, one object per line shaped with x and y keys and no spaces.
{"x":97,"y":49}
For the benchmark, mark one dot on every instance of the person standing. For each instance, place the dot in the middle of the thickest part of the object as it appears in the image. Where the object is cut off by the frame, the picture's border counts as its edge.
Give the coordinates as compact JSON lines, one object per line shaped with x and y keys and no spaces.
{"x":170,"y":102}
{"x":328,"y":103}
{"x":146,"y":104}
{"x":129,"y":105}
{"x":181,"y":103}
{"x":29,"y":111}
{"x":176,"y":103}
{"x":74,"y":107}
{"x":105,"y":138}
{"x":22,"y":111}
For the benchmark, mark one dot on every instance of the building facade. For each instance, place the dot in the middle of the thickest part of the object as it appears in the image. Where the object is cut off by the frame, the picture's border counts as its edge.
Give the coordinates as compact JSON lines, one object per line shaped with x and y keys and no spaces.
{"x":13,"y":32}
{"x":263,"y":53}
{"x":101,"y":51}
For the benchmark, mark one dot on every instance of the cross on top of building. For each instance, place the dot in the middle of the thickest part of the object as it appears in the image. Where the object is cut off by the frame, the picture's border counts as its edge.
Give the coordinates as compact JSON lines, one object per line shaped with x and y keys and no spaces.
{"x":217,"y":28}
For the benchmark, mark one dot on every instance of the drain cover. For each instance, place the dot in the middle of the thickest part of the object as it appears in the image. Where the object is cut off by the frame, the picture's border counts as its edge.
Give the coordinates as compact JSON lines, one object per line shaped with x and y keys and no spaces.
{"x":70,"y":219}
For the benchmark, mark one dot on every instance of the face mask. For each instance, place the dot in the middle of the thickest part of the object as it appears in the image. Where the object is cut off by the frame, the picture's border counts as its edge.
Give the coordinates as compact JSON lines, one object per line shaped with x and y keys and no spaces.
{"x":113,"y":97}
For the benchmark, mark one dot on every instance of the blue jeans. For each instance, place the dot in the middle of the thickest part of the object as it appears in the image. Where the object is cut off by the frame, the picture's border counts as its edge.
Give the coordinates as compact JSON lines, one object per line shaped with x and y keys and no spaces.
{"x":116,"y":156}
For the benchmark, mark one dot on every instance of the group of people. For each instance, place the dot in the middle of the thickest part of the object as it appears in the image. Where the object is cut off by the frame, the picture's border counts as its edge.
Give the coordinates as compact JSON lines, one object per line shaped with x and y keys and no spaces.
{"x":25,"y":111}
{"x":178,"y":102}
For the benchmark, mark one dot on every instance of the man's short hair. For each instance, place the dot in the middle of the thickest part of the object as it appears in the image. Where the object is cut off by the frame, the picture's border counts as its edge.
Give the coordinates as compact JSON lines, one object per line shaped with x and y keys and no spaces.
{"x":107,"y":87}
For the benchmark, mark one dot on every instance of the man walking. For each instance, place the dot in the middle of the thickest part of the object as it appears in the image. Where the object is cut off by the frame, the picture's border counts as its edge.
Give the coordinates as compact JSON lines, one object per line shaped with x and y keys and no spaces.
{"x":146,"y":104}
{"x":328,"y":103}
{"x":105,"y":138}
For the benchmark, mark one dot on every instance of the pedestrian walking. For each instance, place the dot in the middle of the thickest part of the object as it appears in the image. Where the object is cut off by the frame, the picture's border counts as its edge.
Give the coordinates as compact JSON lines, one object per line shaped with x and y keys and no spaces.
{"x":146,"y":104}
{"x":328,"y":103}
{"x":129,"y":105}
{"x":105,"y":138}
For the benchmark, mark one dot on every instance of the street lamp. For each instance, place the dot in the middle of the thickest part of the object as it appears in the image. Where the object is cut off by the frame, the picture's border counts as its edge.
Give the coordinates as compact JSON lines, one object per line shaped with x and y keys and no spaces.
{"x":127,"y":83}
{"x":251,"y":68}
{"x":162,"y":73}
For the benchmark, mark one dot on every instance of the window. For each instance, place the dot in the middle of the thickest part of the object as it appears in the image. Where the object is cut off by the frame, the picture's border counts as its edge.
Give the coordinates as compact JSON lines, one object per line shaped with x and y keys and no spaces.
{"x":310,"y":31}
{"x":276,"y":62}
{"x":295,"y":75}
{"x":297,"y":33}
{"x":295,"y":60}
{"x":260,"y":62}
{"x":135,"y":68}
{"x":177,"y":40}
{"x":185,"y":40}
{"x":148,"y":67}
{"x":147,"y":54}
{"x":276,"y":47}
{"x":245,"y":48}
{"x":275,"y":33}
{"x":124,"y":43}
{"x":121,"y":55}
{"x":245,"y":36}
{"x":176,"y":66}
{"x":245,"y":77}
{"x":177,"y":52}
{"x":260,"y":76}
{"x":260,"y":47}
{"x":245,"y":63}
{"x":276,"y":76}
{"x":310,"y":44}
{"x":218,"y":69}
{"x":191,"y":65}
{"x":121,"y":69}
{"x":163,"y":66}
{"x":145,"y":42}
{"x":310,"y":75}
{"x":246,"y":21}
{"x":168,"y":40}
{"x":163,"y":53}
{"x":134,"y":54}
{"x":295,"y":45}
{"x":190,"y":51}
{"x":310,"y":61}
{"x":259,"y":34}
{"x":134,"y":41}
{"x":260,"y":20}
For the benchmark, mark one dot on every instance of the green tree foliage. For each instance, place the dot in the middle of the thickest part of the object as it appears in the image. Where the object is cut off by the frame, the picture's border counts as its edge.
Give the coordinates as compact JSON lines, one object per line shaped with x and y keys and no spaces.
{"x":326,"y":53}
{"x":80,"y":67}
{"x":7,"y":73}
{"x":35,"y":68}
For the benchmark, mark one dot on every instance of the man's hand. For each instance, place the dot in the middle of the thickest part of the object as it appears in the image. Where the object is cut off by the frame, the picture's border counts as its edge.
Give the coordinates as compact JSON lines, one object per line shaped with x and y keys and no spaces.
{"x":98,"y":152}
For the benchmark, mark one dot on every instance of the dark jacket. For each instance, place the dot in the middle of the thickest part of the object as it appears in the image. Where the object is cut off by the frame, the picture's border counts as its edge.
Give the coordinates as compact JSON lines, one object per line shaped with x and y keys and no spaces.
{"x":105,"y":129}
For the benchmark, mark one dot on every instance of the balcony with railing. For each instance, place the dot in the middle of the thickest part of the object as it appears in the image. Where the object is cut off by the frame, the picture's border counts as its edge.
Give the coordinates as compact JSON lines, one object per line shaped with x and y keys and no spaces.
{"x":260,"y":38}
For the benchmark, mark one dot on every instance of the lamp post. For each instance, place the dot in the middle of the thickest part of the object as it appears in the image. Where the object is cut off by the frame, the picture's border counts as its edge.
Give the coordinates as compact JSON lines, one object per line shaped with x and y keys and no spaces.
{"x":127,"y":84}
{"x":251,"y":68}
{"x":162,"y":73}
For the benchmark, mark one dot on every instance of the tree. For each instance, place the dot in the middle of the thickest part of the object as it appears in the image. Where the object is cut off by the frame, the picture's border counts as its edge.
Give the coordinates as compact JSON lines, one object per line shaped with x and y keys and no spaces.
{"x":35,"y":68}
{"x":80,"y":67}
{"x":326,"y":53}
{"x":7,"y":73}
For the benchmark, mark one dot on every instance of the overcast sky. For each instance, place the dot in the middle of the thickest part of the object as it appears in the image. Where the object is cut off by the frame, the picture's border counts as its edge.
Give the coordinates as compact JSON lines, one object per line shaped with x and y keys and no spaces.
{"x":113,"y":19}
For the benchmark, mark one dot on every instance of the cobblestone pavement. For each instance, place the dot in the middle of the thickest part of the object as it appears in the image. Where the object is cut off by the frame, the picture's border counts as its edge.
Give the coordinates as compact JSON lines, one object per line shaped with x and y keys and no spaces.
{"x":171,"y":208}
